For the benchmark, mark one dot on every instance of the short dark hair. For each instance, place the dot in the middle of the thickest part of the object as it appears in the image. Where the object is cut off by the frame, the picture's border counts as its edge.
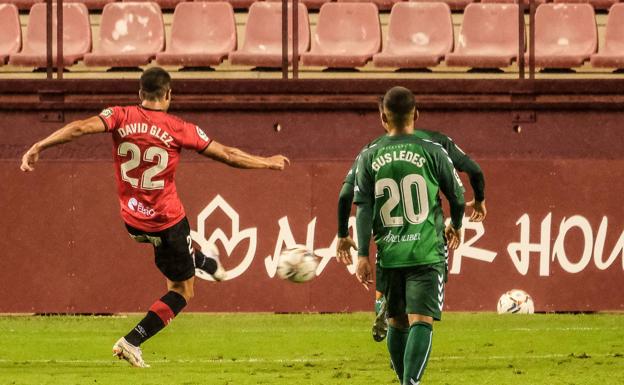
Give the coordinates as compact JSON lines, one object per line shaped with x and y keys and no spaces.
{"x":400,"y":102}
{"x":155,"y":82}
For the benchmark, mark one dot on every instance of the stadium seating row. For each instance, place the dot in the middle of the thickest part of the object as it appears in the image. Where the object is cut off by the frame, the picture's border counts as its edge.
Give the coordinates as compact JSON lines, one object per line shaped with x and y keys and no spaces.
{"x":347,"y":35}
{"x":316,"y":4}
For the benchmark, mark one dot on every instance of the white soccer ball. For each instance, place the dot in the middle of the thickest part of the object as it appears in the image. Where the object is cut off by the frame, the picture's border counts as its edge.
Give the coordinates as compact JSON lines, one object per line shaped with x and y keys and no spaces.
{"x":297,"y":264}
{"x":515,"y":301}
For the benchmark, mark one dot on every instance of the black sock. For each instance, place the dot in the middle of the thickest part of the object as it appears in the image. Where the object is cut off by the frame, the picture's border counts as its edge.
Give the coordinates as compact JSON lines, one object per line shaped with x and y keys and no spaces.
{"x":207,"y":264}
{"x":158,"y":316}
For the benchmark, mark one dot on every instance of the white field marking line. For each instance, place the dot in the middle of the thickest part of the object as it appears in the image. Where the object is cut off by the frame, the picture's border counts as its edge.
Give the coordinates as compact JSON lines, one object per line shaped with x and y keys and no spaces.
{"x":298,"y":360}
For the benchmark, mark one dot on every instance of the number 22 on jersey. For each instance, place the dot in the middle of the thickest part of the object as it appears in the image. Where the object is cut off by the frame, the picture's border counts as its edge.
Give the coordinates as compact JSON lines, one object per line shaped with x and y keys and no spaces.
{"x":152,"y":154}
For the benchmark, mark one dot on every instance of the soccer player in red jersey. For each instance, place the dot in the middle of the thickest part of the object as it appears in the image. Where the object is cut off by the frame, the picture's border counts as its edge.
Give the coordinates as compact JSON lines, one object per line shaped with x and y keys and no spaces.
{"x":146,"y":149}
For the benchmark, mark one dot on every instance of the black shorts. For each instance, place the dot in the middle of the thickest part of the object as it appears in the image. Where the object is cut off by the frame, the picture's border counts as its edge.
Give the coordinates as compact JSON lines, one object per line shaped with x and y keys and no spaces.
{"x":173,"y":249}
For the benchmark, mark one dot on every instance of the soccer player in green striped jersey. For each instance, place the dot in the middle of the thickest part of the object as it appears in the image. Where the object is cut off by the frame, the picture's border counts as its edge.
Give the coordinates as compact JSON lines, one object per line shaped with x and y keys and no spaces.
{"x":462,"y":163}
{"x":398,"y":180}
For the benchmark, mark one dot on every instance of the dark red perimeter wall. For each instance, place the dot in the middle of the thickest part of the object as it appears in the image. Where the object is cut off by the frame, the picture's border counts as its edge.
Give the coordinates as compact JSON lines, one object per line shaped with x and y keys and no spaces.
{"x":555,"y":190}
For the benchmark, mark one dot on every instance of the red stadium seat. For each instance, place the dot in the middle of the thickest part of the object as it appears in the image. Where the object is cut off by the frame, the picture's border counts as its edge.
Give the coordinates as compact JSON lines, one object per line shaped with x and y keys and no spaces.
{"x":236,"y":4}
{"x":310,"y":4}
{"x":263,"y":35}
{"x":92,"y":4}
{"x":603,"y":4}
{"x":419,"y":35}
{"x":10,"y":32}
{"x":164,"y":4}
{"x":612,"y":53}
{"x":131,"y":34}
{"x":382,"y":4}
{"x":454,"y":4}
{"x":76,"y":36}
{"x":200,"y":47}
{"x":347,"y":35}
{"x":598,"y":4}
{"x":565,"y":35}
{"x":23,"y":5}
{"x":488,"y":37}
{"x":526,"y":2}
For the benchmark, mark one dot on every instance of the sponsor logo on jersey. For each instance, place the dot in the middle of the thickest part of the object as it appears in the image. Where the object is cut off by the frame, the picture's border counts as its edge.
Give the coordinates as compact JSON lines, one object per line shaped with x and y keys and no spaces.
{"x":106,"y":113}
{"x":132,"y":204}
{"x":202,"y":134}
{"x":136,"y":206}
{"x":397,"y":238}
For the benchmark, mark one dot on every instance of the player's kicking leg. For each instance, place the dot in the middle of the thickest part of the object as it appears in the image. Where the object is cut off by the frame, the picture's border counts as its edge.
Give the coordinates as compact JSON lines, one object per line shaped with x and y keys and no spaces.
{"x":177,"y":260}
{"x":160,"y":314}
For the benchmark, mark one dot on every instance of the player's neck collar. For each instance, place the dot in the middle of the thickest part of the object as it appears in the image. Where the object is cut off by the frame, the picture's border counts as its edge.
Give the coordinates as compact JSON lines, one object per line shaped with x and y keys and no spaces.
{"x":150,"y":109}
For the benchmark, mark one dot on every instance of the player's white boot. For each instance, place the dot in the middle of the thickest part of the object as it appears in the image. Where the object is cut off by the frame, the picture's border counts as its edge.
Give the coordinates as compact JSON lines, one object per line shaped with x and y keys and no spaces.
{"x":380,"y":326}
{"x":220,"y":274}
{"x":127,"y":351}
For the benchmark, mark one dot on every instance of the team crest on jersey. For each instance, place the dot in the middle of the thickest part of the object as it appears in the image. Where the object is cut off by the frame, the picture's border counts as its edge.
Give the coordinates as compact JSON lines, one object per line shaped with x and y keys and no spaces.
{"x":106,"y":113}
{"x":201,"y":133}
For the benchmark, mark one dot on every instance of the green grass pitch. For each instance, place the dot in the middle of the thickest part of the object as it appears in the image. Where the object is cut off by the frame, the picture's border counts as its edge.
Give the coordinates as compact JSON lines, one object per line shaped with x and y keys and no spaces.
{"x":473,"y":349}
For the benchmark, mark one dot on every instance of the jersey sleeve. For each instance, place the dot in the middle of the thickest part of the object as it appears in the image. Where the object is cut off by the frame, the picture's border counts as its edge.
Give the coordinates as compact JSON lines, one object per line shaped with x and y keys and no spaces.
{"x":345,"y":200}
{"x":364,"y":193}
{"x":451,"y":186}
{"x":463,"y":163}
{"x":364,"y":181}
{"x":350,"y":178}
{"x":193,"y":137}
{"x":111,"y":117}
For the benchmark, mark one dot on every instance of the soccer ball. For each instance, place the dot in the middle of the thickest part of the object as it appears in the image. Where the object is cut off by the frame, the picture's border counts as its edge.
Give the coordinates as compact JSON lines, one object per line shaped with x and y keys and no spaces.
{"x":297,"y":264}
{"x":515,"y":302}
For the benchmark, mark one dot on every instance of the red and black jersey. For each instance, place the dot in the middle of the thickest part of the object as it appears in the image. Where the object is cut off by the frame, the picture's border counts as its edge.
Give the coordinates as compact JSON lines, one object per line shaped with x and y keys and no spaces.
{"x":146,"y":151}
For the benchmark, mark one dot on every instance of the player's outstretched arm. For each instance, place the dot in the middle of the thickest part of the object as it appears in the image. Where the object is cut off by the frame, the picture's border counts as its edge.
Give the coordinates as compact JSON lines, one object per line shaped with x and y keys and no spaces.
{"x":66,"y":134}
{"x":240,"y":159}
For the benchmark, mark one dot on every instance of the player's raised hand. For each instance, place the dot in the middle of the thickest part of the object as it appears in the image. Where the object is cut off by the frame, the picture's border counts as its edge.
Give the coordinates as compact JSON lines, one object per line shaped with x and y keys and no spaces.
{"x":278,"y":162}
{"x":343,"y":250}
{"x":453,"y":237}
{"x":364,"y":272}
{"x":478,"y":210}
{"x":29,"y":159}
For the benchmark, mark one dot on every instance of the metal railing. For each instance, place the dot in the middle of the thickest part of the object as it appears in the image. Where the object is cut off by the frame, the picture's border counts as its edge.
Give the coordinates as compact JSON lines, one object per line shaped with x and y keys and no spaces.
{"x":521,"y":39}
{"x":59,"y":39}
